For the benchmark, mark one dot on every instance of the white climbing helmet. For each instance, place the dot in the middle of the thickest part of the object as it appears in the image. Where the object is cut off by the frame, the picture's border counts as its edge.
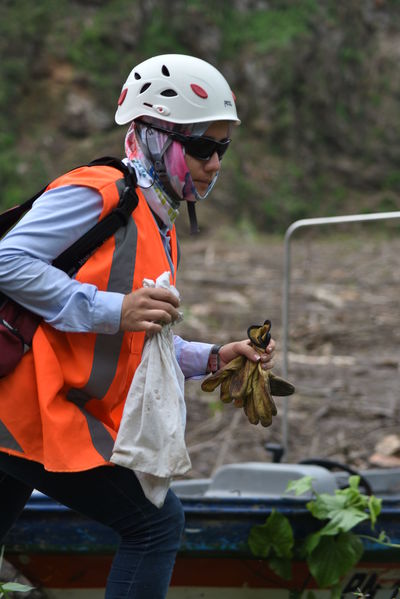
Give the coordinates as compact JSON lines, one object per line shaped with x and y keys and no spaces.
{"x":178,"y":89}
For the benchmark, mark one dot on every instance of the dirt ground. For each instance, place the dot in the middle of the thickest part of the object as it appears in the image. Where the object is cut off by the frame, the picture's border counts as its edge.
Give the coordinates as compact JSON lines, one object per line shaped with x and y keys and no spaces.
{"x":344,"y":339}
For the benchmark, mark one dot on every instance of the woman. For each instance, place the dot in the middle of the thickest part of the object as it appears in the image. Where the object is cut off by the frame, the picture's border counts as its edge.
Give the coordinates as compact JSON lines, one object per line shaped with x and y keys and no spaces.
{"x":61,"y":408}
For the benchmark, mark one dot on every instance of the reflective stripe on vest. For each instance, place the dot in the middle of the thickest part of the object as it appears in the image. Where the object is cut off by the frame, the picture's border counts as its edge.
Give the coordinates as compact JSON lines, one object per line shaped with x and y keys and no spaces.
{"x":104,"y":369}
{"x":7,"y":440}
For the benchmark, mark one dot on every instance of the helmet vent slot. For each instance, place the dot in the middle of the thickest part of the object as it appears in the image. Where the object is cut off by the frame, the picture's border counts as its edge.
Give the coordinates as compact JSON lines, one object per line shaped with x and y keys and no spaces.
{"x":168,"y":93}
{"x":165,"y":71}
{"x":137,"y":76}
{"x":144,"y":87}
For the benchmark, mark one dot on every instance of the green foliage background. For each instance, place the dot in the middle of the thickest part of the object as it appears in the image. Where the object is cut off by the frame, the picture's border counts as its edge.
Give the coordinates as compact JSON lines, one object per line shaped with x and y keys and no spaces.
{"x":317,"y":86}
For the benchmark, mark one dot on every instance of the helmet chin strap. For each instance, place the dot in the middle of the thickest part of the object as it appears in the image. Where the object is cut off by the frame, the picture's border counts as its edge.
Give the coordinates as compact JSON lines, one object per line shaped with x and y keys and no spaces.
{"x":158,"y":162}
{"x":194,"y":227}
{"x":156,"y":157}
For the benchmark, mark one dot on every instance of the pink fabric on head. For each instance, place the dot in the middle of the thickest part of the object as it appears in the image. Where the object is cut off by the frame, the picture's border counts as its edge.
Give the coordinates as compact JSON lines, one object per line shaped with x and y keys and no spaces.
{"x":174,"y":159}
{"x":178,"y":172}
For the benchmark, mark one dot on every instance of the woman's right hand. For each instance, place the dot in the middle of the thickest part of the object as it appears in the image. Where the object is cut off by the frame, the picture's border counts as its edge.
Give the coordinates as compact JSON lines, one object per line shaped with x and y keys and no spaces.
{"x":147,"y":309}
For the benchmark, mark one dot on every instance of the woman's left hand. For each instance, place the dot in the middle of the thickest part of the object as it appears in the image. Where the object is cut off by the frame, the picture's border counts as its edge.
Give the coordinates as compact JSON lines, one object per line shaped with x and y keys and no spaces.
{"x":243,"y":348}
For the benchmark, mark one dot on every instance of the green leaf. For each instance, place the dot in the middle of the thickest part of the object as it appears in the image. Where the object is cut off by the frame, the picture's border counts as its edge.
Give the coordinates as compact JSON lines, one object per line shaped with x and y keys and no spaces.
{"x":374,"y":506}
{"x":343,"y":520}
{"x":17,"y":587}
{"x":334,"y":557}
{"x":310,"y":543}
{"x":383,"y":538}
{"x":352,"y":494}
{"x":281,"y":566}
{"x":301,"y":485}
{"x":276,"y":534}
{"x":344,"y":510}
{"x":354,"y":481}
{"x":283,"y":539}
{"x":259,"y":541}
{"x":324,"y":505}
{"x":353,"y":498}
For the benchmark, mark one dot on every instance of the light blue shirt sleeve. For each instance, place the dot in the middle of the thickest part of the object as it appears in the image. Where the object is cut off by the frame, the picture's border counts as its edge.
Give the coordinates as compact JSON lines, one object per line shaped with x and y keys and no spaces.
{"x":192,"y":357}
{"x":56,"y":220}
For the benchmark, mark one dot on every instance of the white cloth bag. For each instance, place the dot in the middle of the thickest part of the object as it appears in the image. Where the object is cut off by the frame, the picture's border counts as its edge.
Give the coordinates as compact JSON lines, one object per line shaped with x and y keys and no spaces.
{"x":150,"y":439}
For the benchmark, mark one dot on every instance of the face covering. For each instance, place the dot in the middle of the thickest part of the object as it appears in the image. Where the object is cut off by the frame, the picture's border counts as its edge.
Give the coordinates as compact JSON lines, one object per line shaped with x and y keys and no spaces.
{"x":140,"y":150}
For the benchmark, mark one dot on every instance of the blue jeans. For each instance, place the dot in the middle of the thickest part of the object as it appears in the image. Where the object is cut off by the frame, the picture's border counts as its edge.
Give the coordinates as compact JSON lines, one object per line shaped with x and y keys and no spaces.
{"x":112,"y":495}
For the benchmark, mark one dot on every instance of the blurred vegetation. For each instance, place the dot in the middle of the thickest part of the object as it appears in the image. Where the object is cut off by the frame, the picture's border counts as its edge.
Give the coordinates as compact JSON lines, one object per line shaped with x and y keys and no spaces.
{"x":317,"y":87}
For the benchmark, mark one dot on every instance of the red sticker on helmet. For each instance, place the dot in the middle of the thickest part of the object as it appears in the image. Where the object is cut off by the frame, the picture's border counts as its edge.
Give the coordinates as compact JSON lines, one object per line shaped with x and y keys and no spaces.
{"x":234,"y":97}
{"x":122,"y":96}
{"x":199,"y":91}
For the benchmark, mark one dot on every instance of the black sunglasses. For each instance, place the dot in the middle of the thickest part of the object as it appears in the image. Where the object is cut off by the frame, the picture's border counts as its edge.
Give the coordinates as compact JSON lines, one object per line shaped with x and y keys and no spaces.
{"x":202,"y":148}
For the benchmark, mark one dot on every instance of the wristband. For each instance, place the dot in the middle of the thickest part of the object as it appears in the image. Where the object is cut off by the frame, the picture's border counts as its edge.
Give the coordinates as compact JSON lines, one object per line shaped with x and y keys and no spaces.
{"x":214,"y":360}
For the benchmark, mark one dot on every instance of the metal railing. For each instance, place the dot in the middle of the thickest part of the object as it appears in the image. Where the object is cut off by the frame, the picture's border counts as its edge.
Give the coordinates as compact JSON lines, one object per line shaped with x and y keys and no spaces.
{"x":309,"y":222}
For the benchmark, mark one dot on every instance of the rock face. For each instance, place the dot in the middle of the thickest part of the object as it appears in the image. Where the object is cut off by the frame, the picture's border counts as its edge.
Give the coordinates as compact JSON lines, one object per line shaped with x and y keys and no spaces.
{"x":317,"y":87}
{"x":83,"y":116}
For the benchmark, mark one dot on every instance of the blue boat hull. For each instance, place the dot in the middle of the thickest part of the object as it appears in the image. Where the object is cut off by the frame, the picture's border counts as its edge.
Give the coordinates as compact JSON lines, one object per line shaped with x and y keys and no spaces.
{"x":68,"y":555}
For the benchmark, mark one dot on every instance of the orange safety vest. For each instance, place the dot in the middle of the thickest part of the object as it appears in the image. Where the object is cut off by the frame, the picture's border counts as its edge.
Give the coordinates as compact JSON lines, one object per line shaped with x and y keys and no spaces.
{"x":62,"y":405}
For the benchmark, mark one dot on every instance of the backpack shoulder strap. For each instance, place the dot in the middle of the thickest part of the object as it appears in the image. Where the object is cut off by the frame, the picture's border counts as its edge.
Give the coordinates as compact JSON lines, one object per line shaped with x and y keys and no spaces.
{"x":12,"y":215}
{"x":77,"y":254}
